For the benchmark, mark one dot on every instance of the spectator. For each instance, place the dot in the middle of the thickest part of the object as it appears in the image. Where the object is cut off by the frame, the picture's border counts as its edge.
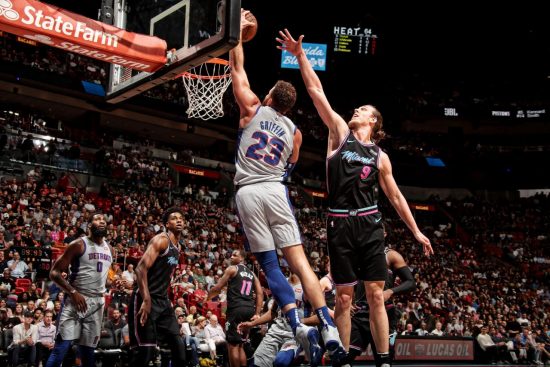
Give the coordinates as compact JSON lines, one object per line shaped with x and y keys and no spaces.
{"x":437,"y":331}
{"x":494,"y":352}
{"x":7,"y":322}
{"x":193,"y":315}
{"x":45,"y":338}
{"x":129,"y":275}
{"x":113,"y":324}
{"x":422,"y":331}
{"x":25,"y":336}
{"x":17,"y":266}
{"x":19,"y":312}
{"x":45,"y":302}
{"x":409,"y":330}
{"x":215,"y":337}
{"x":7,"y":282}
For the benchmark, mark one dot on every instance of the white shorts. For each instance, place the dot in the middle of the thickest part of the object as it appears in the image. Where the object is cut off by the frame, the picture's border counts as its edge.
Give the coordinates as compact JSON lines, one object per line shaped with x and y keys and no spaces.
{"x":266,"y":216}
{"x":279,"y":337}
{"x":84,"y":327}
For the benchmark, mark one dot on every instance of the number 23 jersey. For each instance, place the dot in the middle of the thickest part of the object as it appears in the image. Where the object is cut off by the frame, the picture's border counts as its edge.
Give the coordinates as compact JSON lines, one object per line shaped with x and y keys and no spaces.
{"x":264,"y":147}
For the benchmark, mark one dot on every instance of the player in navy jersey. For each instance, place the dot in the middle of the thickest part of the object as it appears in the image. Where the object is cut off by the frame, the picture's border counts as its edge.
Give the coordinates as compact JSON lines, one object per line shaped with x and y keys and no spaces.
{"x":150,"y":314}
{"x":356,"y":168}
{"x":268,"y":146}
{"x":245,"y":299}
{"x":361,"y":333}
{"x":87,"y":261}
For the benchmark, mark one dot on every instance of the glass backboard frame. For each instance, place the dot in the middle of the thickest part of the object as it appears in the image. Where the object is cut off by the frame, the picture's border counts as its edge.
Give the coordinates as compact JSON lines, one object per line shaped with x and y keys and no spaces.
{"x":182,"y":59}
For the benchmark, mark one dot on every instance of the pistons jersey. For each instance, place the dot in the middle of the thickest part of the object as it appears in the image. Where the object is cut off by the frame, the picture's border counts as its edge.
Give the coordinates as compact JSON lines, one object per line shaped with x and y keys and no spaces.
{"x":88,"y":273}
{"x":264,"y":147}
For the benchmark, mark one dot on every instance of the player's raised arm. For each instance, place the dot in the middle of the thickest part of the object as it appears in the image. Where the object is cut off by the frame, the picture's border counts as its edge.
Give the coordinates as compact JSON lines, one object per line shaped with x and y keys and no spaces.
{"x":336,"y":124}
{"x":246,"y":99}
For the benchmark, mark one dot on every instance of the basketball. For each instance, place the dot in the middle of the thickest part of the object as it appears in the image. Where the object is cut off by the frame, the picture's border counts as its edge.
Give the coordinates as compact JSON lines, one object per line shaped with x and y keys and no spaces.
{"x":250,"y":31}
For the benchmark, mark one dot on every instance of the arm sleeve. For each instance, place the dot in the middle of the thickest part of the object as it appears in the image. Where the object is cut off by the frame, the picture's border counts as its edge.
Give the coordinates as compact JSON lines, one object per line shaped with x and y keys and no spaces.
{"x":408,"y":284}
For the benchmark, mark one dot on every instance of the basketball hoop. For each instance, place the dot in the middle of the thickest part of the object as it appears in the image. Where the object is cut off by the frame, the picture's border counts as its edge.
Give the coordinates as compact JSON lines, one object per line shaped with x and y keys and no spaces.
{"x":205,"y":85}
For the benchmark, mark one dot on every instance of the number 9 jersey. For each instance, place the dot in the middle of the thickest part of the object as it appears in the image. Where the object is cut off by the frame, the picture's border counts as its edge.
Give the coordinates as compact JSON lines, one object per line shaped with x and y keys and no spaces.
{"x":264,"y":147}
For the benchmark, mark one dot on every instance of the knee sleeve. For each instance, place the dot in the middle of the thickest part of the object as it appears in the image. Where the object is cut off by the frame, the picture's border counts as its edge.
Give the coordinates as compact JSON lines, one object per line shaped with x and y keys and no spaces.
{"x":87,"y":355}
{"x":58,"y":353}
{"x":279,"y":286}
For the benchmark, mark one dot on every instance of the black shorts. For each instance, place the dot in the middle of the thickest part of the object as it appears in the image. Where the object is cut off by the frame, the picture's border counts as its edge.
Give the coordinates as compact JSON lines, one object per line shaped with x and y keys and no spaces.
{"x":356,"y":249}
{"x":161,"y":323}
{"x":234,"y":317}
{"x":361,"y":335}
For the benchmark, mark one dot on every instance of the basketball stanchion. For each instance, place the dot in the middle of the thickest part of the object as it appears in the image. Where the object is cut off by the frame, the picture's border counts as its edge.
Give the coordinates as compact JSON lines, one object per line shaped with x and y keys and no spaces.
{"x":205,"y":85}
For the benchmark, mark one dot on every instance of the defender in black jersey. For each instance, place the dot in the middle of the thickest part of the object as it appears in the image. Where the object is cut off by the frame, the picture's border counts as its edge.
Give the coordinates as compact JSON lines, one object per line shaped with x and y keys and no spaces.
{"x":356,"y":168}
{"x":150,"y":315}
{"x":361,"y":334}
{"x":245,"y":299}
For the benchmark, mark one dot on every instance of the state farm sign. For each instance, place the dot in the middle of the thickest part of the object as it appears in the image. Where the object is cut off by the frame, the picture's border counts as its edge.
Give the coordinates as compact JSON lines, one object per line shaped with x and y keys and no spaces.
{"x":60,"y":28}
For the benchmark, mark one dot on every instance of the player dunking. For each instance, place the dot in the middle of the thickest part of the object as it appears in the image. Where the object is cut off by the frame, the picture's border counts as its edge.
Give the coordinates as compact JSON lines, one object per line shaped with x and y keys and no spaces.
{"x":356,"y":168}
{"x":268,"y":147}
{"x":89,"y":259}
{"x":242,"y":306}
{"x":150,"y":313}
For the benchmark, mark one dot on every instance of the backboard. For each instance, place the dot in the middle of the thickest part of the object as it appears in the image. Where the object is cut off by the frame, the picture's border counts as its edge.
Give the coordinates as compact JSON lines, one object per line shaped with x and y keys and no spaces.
{"x":194,"y":30}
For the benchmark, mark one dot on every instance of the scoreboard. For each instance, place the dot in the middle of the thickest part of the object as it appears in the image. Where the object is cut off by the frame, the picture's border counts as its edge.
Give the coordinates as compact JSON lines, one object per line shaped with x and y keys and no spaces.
{"x":355,"y":40}
{"x":41,"y":259}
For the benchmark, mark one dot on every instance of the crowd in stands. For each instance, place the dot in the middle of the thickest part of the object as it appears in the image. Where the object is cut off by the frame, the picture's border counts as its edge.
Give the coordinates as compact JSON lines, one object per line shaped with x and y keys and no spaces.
{"x":467,"y":286}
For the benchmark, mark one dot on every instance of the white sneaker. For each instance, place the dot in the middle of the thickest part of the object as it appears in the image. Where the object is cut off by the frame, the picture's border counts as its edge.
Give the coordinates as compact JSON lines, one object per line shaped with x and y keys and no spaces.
{"x":308,"y":338}
{"x":333,"y":344}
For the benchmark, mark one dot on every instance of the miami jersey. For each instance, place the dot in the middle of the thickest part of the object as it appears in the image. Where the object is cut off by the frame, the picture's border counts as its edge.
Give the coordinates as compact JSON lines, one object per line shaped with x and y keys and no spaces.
{"x":264,"y":147}
{"x":89,"y":271}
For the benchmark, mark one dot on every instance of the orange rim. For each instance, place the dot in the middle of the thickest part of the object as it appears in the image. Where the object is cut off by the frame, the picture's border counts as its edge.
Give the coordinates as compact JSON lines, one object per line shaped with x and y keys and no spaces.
{"x":187,"y":74}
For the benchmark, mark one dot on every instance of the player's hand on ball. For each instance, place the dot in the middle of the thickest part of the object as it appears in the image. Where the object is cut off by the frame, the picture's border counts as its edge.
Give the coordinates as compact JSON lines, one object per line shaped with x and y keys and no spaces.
{"x":244,"y":21}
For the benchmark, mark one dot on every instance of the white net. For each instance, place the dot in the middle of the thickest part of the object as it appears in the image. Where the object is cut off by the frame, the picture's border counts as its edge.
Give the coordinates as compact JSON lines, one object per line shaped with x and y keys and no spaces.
{"x":205,"y":85}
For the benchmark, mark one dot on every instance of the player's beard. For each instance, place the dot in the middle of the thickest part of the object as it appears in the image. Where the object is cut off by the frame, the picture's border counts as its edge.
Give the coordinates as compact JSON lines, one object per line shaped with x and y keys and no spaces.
{"x":98,"y":232}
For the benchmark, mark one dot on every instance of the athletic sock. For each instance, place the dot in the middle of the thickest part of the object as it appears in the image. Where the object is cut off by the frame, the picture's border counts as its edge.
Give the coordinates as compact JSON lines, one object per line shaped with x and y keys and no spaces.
{"x":324,"y":316}
{"x":383,"y":359}
{"x":293,"y":319}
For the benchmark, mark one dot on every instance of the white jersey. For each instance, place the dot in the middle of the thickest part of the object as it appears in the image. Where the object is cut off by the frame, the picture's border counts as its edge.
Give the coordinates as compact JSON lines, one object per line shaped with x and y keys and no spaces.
{"x":89,"y":271}
{"x":264,"y":147}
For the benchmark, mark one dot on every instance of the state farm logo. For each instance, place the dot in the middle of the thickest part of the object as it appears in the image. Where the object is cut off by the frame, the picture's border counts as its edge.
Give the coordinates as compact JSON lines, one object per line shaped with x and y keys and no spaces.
{"x":40,"y":38}
{"x":7,"y":11}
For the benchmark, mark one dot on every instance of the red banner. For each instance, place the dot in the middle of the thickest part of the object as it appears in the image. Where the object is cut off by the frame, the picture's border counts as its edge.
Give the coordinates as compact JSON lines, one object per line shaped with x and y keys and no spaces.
{"x":423,"y":207}
{"x":75,"y":33}
{"x":430,"y":349}
{"x":196,"y":171}
{"x":317,"y":194}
